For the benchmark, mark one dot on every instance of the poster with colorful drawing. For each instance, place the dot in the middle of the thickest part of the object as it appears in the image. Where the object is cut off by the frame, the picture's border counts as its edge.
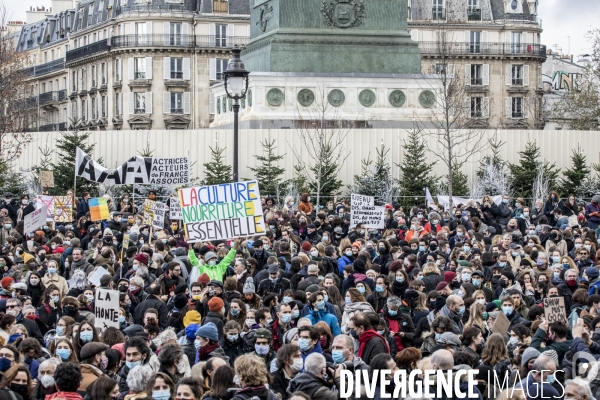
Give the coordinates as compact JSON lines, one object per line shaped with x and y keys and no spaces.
{"x":47,"y":201}
{"x":63,"y":209}
{"x":99,"y":209}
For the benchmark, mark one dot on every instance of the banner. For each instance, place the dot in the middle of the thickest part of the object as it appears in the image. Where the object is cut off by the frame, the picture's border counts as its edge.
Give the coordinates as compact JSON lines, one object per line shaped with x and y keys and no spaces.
{"x":106,"y":308}
{"x":364,"y":211}
{"x":445,"y":200}
{"x":63,"y":208}
{"x":430,"y":202}
{"x":34,"y":220}
{"x":48,"y":202}
{"x":99,"y":208}
{"x":158,"y":222}
{"x":224,"y":211}
{"x":140,"y":170}
{"x":175,"y":209}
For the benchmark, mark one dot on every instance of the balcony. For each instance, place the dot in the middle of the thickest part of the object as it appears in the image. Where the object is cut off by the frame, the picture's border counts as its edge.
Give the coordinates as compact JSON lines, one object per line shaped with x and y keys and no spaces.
{"x":438,"y":13}
{"x":87,"y":50}
{"x":154,"y":9}
{"x":474,"y":14}
{"x":53,"y":127}
{"x":495,"y":49}
{"x":187,"y":41}
{"x":46,"y":68}
{"x":53,"y":97}
{"x":220,"y":41}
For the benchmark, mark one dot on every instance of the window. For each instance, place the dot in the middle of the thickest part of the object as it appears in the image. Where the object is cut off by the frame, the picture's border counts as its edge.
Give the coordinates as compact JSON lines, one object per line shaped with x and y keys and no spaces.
{"x":140,"y":28}
{"x":43,"y":88}
{"x":476,"y":76}
{"x":221,"y":35}
{"x":118,"y":69}
{"x":517,"y":74}
{"x":94,"y":76}
{"x":515,"y":42}
{"x":83,"y":80}
{"x":83,"y":110}
{"x":103,"y":73}
{"x":176,"y":103}
{"x":74,"y":110}
{"x":476,"y":107}
{"x":103,"y":106}
{"x":176,"y":68}
{"x":440,"y":69}
{"x":221,"y":67}
{"x":175,"y":31}
{"x":45,"y":57}
{"x":94,"y":116}
{"x":514,"y":4}
{"x":74,"y":81}
{"x":139,"y":103}
{"x":118,"y":110}
{"x":475,"y":42}
{"x":517,"y":107}
{"x":139,"y":68}
{"x":52,"y":55}
{"x":438,"y":10}
{"x":473,"y":10}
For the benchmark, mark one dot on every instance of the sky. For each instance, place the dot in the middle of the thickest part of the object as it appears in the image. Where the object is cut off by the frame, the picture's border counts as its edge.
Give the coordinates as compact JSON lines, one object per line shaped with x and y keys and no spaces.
{"x":561,"y":19}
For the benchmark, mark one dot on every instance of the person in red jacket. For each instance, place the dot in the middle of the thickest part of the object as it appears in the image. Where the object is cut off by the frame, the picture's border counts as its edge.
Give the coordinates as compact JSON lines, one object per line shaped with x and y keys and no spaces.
{"x":370,"y":342}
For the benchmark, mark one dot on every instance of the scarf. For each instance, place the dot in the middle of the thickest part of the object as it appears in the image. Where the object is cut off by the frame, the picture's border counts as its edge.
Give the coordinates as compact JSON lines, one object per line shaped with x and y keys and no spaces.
{"x":204,"y":351}
{"x":366,"y":337}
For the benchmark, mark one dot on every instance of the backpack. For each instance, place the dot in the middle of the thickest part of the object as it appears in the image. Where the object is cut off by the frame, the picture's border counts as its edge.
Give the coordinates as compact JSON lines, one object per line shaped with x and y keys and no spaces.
{"x":287,"y":264}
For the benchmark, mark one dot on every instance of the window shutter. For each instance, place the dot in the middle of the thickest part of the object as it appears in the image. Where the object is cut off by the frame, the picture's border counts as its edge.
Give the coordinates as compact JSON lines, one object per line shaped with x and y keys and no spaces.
{"x":167,"y":67}
{"x":508,"y":76}
{"x":148,"y":67}
{"x":485,"y":107}
{"x":467,"y":36}
{"x":212,"y":32}
{"x":468,"y":74}
{"x":166,"y":32}
{"x":212,"y":69}
{"x":230,"y":34}
{"x":524,"y":37}
{"x":486,"y":74}
{"x":525,"y":107}
{"x":186,"y":103}
{"x":186,"y":68}
{"x":148,"y":28}
{"x":414,"y":34}
{"x":167,"y":103}
{"x":484,"y":37}
{"x":185,"y":28}
{"x":525,"y":75}
{"x":248,"y":30}
{"x":148,"y":103}
{"x":131,"y":103}
{"x":212,"y":104}
{"x":130,"y":63}
{"x":508,"y":110}
{"x":120,"y":103}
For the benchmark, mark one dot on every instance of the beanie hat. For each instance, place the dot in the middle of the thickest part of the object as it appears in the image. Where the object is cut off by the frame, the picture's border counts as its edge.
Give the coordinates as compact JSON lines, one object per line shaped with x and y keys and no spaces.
{"x":208,"y":331}
{"x":191,"y":317}
{"x":592,"y":272}
{"x":312,"y":269}
{"x":551,"y":354}
{"x":311,"y":226}
{"x":463,"y":263}
{"x":209,"y":256}
{"x":450,"y":338}
{"x":312,"y":289}
{"x":6,"y":282}
{"x":491,"y":306}
{"x":441,"y":286}
{"x":448,"y":276}
{"x":395,"y":265}
{"x":190,"y":331}
{"x":528,"y":354}
{"x":440,"y":302}
{"x":204,"y":279}
{"x":215,"y":304}
{"x":133,"y":237}
{"x":306,"y":246}
{"x":249,"y":286}
{"x":257,"y":243}
{"x":142,"y":258}
{"x":27,"y":257}
{"x":356,"y":244}
{"x":359,"y":266}
{"x":411,"y":294}
{"x":509,"y":275}
{"x":180,"y":301}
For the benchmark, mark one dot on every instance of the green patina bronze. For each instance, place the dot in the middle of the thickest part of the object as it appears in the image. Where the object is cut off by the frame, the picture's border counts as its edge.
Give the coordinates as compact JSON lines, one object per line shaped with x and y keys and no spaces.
{"x":427,"y":98}
{"x":367,"y":98}
{"x":331,"y":36}
{"x":397,"y":98}
{"x":336,"y":97}
{"x":306,"y":97}
{"x":275,"y":97}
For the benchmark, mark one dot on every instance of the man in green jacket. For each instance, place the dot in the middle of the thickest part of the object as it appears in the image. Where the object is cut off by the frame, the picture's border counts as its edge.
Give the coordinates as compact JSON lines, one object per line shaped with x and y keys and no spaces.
{"x":216,"y":270}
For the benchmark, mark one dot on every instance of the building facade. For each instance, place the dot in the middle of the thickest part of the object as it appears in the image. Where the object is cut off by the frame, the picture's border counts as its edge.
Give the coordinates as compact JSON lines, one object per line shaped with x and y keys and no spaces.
{"x":494,"y":46}
{"x":131,"y":64}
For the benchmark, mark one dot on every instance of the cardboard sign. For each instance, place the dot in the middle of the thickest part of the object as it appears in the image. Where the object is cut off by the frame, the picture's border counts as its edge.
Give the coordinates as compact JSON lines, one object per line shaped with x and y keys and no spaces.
{"x":175,"y":209}
{"x":158,"y":222}
{"x":47,"y":201}
{"x":126,"y":241}
{"x":47,"y":179}
{"x":364,"y":211}
{"x":63,"y":209}
{"x":106,"y":308}
{"x":95,"y":277}
{"x":226,"y":211}
{"x":34,"y":220}
{"x":554,"y":309}
{"x":137,"y":170}
{"x":501,"y":324}
{"x":99,"y":209}
{"x":148,"y":211}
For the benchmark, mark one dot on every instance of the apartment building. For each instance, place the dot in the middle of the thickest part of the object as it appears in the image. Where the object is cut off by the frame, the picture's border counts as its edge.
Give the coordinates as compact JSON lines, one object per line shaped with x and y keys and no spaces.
{"x":494,"y":46}
{"x":131,"y":64}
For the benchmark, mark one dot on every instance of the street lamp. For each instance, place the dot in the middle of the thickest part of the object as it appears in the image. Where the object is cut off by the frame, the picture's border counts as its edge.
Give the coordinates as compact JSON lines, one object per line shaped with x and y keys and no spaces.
{"x":236,"y":86}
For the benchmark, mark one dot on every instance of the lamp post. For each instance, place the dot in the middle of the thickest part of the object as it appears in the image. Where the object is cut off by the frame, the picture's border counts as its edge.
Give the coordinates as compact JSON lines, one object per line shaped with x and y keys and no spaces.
{"x":236,"y":86}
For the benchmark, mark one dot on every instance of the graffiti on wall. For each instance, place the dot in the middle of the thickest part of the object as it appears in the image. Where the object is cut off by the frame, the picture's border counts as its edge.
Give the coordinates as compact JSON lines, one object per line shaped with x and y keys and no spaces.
{"x":562,"y":80}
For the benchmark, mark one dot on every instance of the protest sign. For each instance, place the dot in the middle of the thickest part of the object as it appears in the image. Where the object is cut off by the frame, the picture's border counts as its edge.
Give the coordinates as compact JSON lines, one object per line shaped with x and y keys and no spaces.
{"x":34,"y":220}
{"x":140,"y":170}
{"x":99,"y":208}
{"x":224,"y":211}
{"x":47,"y":201}
{"x":98,"y":273}
{"x":158,"y":222}
{"x":63,"y":209}
{"x":106,"y":308}
{"x":125,"y":241}
{"x":364,"y":211}
{"x":47,"y":179}
{"x":148,"y":211}
{"x":175,"y":209}
{"x":554,"y":309}
{"x":501,"y":324}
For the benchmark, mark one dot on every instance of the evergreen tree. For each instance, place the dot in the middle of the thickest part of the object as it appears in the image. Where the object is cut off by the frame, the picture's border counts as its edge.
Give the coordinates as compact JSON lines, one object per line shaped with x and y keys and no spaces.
{"x":64,"y":170}
{"x":573,"y":177}
{"x":494,"y":159}
{"x":524,"y":173}
{"x":12,"y":181}
{"x":215,"y":171}
{"x":44,"y":165}
{"x":298,"y":184}
{"x":268,"y":174}
{"x":460,"y":186}
{"x":415,"y":172}
{"x":376,"y":179}
{"x":326,"y":171}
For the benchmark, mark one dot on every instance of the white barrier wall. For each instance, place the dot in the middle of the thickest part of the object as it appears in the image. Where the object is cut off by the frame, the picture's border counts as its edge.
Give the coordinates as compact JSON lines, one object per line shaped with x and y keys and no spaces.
{"x":115,"y":147}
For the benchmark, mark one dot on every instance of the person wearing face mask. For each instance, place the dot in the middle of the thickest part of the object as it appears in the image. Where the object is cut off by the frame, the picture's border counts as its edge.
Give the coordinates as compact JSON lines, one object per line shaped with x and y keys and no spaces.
{"x":47,"y":385}
{"x":216,"y":269}
{"x":262,"y":340}
{"x":473,"y":341}
{"x":399,"y":323}
{"x":509,"y":310}
{"x":434,"y":226}
{"x":126,"y":206}
{"x":232,"y":343}
{"x":319,"y":311}
{"x":93,"y":363}
{"x":189,"y":347}
{"x":400,"y":283}
{"x":454,"y":310}
{"x":370,"y":341}
{"x":347,"y":258}
{"x":543,"y":380}
{"x":137,"y":353}
{"x":385,"y":258}
{"x":305,"y":205}
{"x":25,"y":208}
{"x":478,"y":281}
{"x":542,"y":264}
{"x":289,"y":364}
{"x":207,"y":343}
{"x":14,"y":307}
{"x":355,"y":304}
{"x":275,"y":283}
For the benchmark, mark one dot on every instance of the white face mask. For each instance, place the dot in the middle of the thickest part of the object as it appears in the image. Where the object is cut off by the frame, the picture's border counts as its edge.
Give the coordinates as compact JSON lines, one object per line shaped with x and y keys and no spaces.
{"x":297,"y":364}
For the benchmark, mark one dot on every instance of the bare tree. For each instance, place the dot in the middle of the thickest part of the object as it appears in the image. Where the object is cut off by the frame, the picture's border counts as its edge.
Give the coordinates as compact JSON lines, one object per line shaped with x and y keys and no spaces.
{"x":541,"y":185}
{"x":579,"y":108}
{"x":458,"y":120}
{"x":323,"y":135}
{"x":17,"y":117}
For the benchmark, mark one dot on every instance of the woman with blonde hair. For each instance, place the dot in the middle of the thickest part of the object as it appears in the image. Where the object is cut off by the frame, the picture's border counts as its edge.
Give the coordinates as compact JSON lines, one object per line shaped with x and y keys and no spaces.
{"x":476,"y":317}
{"x":253,"y":376}
{"x":431,"y":276}
{"x":494,"y":361}
{"x":355,"y":304}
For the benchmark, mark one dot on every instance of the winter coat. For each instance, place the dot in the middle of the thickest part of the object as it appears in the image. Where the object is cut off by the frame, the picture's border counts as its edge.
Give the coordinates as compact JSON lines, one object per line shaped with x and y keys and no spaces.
{"x":90,"y":373}
{"x":456,"y":319}
{"x":58,"y":281}
{"x":353,"y":309}
{"x":504,"y":214}
{"x":152,"y":302}
{"x":343,"y":261}
{"x":234,"y":350}
{"x":216,"y":319}
{"x":316,"y":388}
{"x":280,"y":286}
{"x":281,"y":381}
{"x":327,"y":317}
{"x":431,"y":281}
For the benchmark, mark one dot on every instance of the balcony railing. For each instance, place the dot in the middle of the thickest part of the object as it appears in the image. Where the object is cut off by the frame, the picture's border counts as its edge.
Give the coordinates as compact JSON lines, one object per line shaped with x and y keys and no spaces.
{"x":53,"y":97}
{"x":87,"y":50}
{"x":168,"y":40}
{"x":53,"y":127}
{"x":463,"y":48}
{"x":154,"y":9}
{"x":176,"y":110}
{"x":48,"y":67}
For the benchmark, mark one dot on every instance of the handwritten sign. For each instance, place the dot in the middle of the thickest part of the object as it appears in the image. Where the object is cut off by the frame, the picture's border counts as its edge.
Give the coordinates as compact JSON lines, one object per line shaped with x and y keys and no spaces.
{"x":106,"y":308}
{"x":63,"y":209}
{"x":175,"y":209}
{"x":47,"y":179}
{"x":95,"y":277}
{"x":224,"y":211}
{"x":47,"y":201}
{"x":364,"y":211}
{"x":554,"y":309}
{"x":99,"y":209}
{"x":35,"y":219}
{"x":158,"y":222}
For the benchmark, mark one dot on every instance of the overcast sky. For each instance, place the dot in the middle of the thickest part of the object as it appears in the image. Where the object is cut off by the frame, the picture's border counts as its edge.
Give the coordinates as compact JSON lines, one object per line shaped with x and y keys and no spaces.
{"x":560,"y":19}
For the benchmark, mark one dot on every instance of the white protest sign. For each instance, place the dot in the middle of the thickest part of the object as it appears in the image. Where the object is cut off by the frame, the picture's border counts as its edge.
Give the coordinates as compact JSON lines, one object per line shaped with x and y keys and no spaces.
{"x":95,"y":277}
{"x":175,"y":209}
{"x":35,"y":219}
{"x":364,"y":211}
{"x":106,"y":308}
{"x":226,"y":211}
{"x":158,"y":222}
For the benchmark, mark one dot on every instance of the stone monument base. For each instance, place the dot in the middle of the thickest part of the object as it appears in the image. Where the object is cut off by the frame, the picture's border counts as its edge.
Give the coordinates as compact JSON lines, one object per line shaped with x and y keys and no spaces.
{"x":294,"y":99}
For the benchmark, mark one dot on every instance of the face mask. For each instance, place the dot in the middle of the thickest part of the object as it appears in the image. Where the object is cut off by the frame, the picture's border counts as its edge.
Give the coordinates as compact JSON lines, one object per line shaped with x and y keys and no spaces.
{"x":132,"y":364}
{"x":64,"y":354}
{"x":325,"y":239}
{"x":504,"y":201}
{"x":261,"y":350}
{"x":135,"y":267}
{"x":514,"y":254}
{"x":25,"y":202}
{"x":67,"y":242}
{"x":197,"y":344}
{"x":304,"y":344}
{"x":466,"y":249}
{"x":7,"y":226}
{"x":587,"y":246}
{"x":438,"y":336}
{"x":379,"y":289}
{"x":86,"y":336}
{"x":34,"y":282}
{"x":466,"y":277}
{"x":286,"y":299}
{"x":557,"y":275}
{"x":577,"y":245}
{"x":393,"y":313}
{"x":161,"y":394}
{"x":540,"y":262}
{"x":233,"y":338}
{"x":60,"y":331}
{"x":502,"y":264}
{"x":47,"y":381}
{"x":362,"y":231}
{"x":314,"y":253}
{"x":121,"y":319}
{"x":421,"y":248}
{"x":349,"y":253}
{"x":476,"y":282}
{"x":507,"y":310}
{"x":461,"y":310}
{"x":348,"y":301}
{"x":295,"y":313}
{"x":20,"y":389}
{"x":320,"y":305}
{"x":250,"y":322}
{"x":90,"y":297}
{"x":556,"y":259}
{"x":400,"y":279}
{"x":212,"y":263}
{"x":513,"y":340}
{"x":459,"y":234}
{"x":361,"y":289}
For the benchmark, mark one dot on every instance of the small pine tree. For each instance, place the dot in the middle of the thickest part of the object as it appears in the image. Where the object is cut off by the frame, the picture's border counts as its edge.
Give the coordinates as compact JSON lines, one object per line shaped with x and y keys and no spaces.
{"x":494,"y":159}
{"x":524,"y":173}
{"x":460,"y":181}
{"x":377,"y":180}
{"x":268,"y":174}
{"x":328,"y":174}
{"x":64,"y":170}
{"x":573,"y":177}
{"x":44,"y":165}
{"x":12,"y":181}
{"x":215,"y":171}
{"x":298,"y":184}
{"x":415,"y":173}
